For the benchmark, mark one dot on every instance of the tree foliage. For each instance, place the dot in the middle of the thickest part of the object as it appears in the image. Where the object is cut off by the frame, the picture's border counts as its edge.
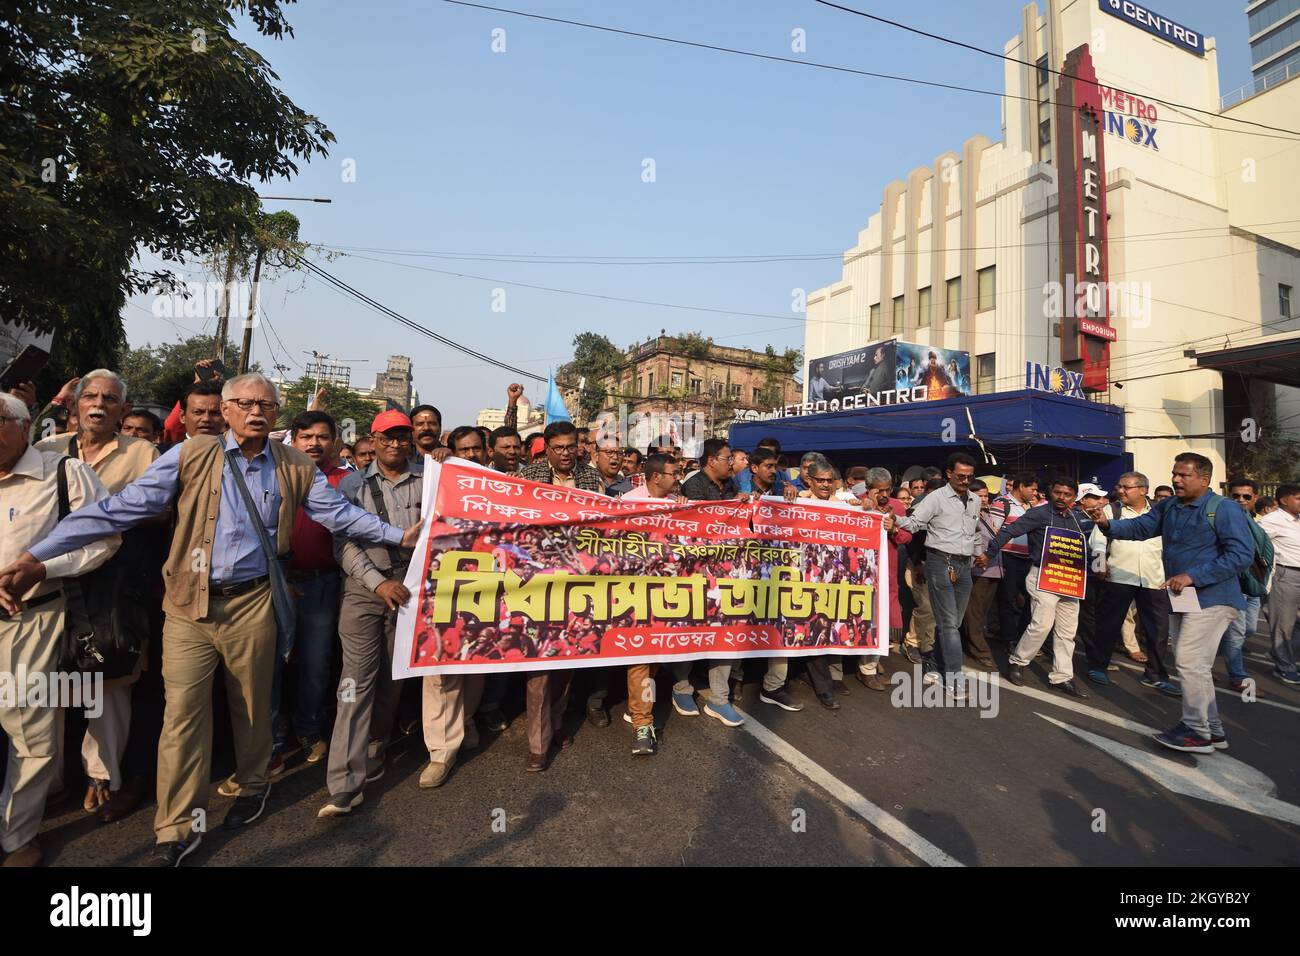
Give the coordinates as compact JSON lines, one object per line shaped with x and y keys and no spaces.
{"x":126,"y":126}
{"x":594,"y":358}
{"x":352,"y":412}
{"x":157,"y":374}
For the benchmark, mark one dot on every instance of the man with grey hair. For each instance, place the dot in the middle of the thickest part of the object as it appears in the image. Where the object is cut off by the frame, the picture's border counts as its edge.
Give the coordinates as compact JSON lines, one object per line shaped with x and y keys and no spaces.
{"x":32,"y":618}
{"x":219,"y":604}
{"x":118,"y":460}
{"x":1134,"y":574}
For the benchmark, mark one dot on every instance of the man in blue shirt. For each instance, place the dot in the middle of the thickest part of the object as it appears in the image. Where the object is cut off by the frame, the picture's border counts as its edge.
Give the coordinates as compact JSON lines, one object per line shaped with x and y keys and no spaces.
{"x":218,"y":592}
{"x":1207,"y":558}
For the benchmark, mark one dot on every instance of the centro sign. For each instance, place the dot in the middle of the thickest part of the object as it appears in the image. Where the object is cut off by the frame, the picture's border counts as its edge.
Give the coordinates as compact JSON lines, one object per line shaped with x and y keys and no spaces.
{"x":1155,"y":24}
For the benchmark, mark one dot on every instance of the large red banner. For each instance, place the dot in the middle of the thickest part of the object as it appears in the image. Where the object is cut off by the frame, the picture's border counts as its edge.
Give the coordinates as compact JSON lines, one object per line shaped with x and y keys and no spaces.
{"x":516,"y":575}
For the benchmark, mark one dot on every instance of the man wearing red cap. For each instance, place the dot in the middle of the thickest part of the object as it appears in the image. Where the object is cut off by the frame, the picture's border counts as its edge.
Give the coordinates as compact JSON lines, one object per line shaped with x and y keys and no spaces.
{"x":372,"y":593}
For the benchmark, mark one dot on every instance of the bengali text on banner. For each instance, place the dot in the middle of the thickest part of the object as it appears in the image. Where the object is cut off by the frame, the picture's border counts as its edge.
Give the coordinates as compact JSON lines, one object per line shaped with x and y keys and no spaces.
{"x":512,"y":575}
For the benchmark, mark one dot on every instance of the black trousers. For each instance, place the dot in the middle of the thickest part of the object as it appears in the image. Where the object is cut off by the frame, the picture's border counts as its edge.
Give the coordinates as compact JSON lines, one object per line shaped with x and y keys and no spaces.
{"x":1013,"y":619}
{"x":1153,"y":615}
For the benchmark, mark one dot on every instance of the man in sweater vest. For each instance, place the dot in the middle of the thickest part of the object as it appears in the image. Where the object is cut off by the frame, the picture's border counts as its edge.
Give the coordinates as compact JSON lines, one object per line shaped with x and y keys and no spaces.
{"x":218,"y":592}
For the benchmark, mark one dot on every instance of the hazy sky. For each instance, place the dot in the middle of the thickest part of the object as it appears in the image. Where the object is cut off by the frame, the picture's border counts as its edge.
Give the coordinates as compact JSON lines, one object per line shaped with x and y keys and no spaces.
{"x":539,"y":151}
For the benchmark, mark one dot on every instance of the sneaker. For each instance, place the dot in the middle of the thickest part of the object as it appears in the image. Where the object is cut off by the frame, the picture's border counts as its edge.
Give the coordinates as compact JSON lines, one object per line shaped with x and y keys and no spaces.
{"x":228,"y":788}
{"x":1286,"y":677}
{"x":724,"y":712}
{"x":246,"y":810}
{"x":1098,"y":676}
{"x":781,"y":698}
{"x":171,"y":854}
{"x":685,"y":705}
{"x":276,"y":767}
{"x":340,"y":805}
{"x":643,"y":744}
{"x":316,"y":751}
{"x":1181,"y":737}
{"x":931,"y":677}
{"x":1218,"y":741}
{"x":1161,"y":685}
{"x":1112,"y":668}
{"x":434,"y":775}
{"x":494,"y":720}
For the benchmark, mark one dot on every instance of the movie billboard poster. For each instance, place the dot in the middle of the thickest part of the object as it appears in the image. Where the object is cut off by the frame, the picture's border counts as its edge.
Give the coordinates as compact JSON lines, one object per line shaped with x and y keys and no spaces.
{"x":942,"y":373}
{"x":512,"y":575}
{"x":863,"y":371}
{"x":884,"y":373}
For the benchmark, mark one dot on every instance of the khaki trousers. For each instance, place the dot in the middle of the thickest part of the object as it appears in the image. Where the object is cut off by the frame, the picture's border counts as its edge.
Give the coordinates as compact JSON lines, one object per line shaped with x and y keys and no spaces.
{"x":641,"y":694}
{"x":449,"y":703}
{"x":238,"y":635}
{"x":29,"y":644}
{"x":921,"y":634}
{"x":1049,"y":612}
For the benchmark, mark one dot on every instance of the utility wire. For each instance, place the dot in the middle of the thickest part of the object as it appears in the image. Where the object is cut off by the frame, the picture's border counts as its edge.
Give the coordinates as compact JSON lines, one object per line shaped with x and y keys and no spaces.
{"x":1295,"y":137}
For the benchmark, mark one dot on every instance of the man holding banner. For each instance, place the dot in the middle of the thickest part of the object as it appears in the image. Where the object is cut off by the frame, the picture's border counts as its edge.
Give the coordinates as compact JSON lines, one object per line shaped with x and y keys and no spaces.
{"x":1057,"y":582}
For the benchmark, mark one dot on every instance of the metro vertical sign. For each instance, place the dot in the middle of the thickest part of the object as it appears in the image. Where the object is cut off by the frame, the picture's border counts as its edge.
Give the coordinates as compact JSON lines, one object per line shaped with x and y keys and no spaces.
{"x":1081,"y":212}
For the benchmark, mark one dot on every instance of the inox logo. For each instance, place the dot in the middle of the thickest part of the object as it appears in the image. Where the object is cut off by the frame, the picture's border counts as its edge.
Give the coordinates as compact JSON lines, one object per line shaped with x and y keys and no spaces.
{"x":1132,"y":129}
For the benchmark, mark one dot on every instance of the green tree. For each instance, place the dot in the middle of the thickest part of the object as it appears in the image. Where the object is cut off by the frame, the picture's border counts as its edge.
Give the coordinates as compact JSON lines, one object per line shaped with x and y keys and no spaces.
{"x":353,"y":413}
{"x":157,"y":374}
{"x":594,"y":358}
{"x":1270,"y":456}
{"x":130,"y":125}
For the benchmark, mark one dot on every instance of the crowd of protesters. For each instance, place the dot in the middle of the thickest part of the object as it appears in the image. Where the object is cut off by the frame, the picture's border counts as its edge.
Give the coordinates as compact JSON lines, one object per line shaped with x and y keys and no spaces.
{"x":296,"y":606}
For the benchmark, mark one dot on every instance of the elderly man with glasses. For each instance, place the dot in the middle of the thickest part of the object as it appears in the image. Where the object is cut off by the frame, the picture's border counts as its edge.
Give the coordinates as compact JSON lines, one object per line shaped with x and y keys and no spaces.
{"x":1134,"y":574}
{"x":218,"y":592}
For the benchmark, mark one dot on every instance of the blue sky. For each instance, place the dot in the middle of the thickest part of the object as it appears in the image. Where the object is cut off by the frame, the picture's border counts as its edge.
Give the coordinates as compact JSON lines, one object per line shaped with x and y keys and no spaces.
{"x":539,"y":151}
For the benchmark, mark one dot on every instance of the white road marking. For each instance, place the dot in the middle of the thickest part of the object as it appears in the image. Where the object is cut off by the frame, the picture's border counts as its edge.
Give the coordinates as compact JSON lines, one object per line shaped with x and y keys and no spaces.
{"x":1214,"y":777}
{"x":1228,"y":691}
{"x":883,"y":821}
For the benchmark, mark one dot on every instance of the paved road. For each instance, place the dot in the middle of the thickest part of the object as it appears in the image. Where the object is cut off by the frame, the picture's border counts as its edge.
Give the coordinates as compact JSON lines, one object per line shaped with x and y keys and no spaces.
{"x":870,"y":784}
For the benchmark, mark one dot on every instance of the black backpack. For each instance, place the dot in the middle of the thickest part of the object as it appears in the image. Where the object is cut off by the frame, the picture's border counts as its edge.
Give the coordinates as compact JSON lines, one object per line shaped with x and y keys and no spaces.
{"x":106,"y":616}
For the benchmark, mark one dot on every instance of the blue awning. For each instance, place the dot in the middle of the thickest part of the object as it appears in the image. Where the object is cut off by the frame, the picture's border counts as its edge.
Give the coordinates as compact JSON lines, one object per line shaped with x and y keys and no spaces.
{"x":1003,"y":421}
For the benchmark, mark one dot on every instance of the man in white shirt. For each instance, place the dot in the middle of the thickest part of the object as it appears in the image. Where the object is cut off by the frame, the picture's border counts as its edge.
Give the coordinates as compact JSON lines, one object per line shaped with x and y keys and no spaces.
{"x":31,"y":621}
{"x":1134,"y":572}
{"x":1283,"y":529}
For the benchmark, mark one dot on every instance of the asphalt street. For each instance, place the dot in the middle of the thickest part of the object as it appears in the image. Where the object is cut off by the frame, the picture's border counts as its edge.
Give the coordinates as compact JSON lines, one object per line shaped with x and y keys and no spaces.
{"x":1044,"y":781}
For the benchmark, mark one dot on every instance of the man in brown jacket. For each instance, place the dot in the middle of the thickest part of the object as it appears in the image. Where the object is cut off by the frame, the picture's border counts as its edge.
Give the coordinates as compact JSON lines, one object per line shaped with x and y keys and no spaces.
{"x":218,"y":593}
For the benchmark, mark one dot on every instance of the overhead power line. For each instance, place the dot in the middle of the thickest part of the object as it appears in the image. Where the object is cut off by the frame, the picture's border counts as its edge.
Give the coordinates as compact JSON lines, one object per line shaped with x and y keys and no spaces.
{"x":1011,"y":59}
{"x":1293,"y":137}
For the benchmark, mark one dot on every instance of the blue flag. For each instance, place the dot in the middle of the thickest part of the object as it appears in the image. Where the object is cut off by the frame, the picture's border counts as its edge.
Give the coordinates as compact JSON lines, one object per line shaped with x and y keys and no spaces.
{"x":555,"y":407}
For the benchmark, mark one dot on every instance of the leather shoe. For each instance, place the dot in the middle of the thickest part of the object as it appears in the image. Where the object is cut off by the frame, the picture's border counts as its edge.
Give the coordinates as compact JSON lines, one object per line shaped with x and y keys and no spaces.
{"x":1071,"y":688}
{"x":1016,"y":674}
{"x":986,"y":664}
{"x":434,"y":775}
{"x":25,"y":856}
{"x":597,"y":717}
{"x":828,"y":701}
{"x":873,"y":681}
{"x":536,"y":763}
{"x":124,"y":802}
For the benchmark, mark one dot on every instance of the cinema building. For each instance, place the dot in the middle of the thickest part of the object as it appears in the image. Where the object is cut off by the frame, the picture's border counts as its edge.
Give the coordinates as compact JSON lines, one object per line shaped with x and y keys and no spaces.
{"x":1120,"y":269}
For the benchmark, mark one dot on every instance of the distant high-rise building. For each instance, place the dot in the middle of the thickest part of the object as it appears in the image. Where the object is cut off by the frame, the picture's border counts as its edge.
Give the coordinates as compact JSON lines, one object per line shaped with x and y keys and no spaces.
{"x":1274,"y":40}
{"x":394,"y":383}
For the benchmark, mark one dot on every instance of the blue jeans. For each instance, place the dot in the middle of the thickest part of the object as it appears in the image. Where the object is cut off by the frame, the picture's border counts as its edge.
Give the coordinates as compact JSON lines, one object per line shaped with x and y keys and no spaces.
{"x":948,"y":601}
{"x":1234,"y":638}
{"x":313,"y":655}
